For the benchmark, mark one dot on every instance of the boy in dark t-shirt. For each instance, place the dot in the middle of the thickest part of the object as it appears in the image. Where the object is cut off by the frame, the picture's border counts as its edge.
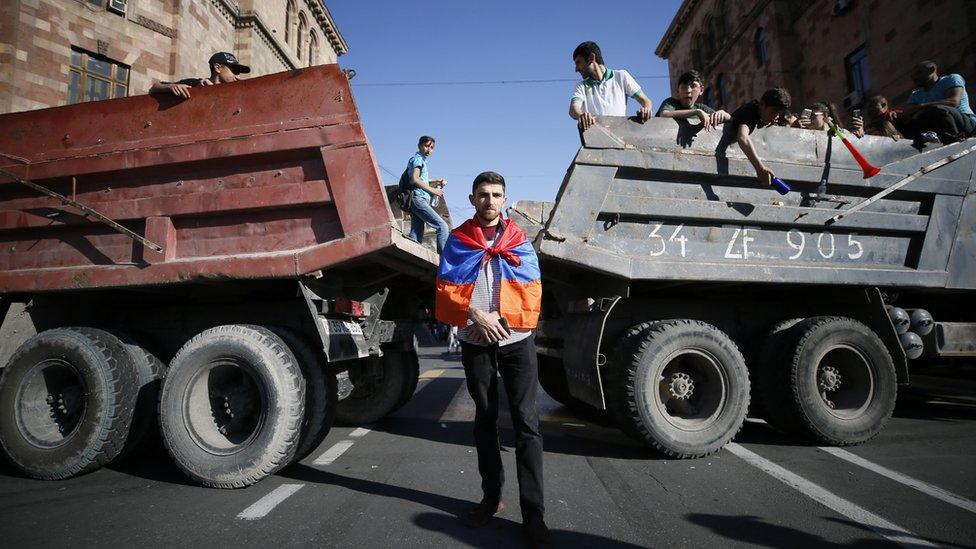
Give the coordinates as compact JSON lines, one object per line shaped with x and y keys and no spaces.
{"x":685,"y":104}
{"x":223,"y":68}
{"x":774,"y":103}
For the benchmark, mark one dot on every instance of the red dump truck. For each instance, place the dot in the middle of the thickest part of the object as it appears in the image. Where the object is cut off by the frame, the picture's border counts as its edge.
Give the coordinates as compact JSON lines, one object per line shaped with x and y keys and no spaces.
{"x":214,"y":264}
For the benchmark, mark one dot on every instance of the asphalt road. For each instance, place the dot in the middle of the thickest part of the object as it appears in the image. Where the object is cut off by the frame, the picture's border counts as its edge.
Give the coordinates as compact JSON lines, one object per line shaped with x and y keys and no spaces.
{"x":405,"y":481}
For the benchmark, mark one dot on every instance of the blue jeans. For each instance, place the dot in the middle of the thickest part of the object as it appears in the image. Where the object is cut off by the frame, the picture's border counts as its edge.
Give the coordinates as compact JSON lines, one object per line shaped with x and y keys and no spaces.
{"x":421,"y":213}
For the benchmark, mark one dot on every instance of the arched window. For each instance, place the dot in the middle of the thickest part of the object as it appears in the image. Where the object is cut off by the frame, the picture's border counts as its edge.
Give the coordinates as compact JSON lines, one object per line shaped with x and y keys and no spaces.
{"x":696,"y":54}
{"x":313,"y":49}
{"x":761,"y":54}
{"x":301,"y":42}
{"x":717,"y":29}
{"x":710,"y":45}
{"x":291,"y":20}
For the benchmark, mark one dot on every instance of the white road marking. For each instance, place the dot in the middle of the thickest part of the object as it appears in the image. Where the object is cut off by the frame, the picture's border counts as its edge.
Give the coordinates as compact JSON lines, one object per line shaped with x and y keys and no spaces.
{"x":919,"y":485}
{"x":333,"y":453}
{"x":830,"y":500}
{"x":263,"y":506}
{"x":359,"y":432}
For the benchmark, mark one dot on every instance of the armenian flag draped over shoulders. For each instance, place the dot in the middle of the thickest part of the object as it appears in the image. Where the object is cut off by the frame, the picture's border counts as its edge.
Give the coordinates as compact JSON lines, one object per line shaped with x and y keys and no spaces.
{"x":464,"y":258}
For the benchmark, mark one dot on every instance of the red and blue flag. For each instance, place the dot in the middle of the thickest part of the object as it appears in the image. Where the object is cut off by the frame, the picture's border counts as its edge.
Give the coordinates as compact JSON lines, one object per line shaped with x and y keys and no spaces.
{"x":464,"y":257}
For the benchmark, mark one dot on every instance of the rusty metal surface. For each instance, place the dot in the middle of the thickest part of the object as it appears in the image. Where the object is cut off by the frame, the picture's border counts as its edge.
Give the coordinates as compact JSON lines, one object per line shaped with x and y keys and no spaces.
{"x":653,"y":202}
{"x":269,"y":177}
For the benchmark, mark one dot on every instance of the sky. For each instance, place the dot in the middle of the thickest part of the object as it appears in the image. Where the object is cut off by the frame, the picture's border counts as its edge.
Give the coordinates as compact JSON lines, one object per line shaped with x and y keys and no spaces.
{"x":520,"y":130}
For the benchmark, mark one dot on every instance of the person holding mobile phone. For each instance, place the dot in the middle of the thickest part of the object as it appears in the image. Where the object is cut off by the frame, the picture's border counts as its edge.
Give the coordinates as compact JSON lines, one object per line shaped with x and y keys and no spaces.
{"x":489,"y":285}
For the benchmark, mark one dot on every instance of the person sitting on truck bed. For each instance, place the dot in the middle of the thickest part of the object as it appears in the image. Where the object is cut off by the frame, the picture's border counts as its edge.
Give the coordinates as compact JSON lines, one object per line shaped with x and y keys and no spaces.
{"x":489,"y":285}
{"x":223,"y":68}
{"x":685,"y":104}
{"x":424,"y":189}
{"x":603,"y":91}
{"x":774,"y":104}
{"x":939,"y":105}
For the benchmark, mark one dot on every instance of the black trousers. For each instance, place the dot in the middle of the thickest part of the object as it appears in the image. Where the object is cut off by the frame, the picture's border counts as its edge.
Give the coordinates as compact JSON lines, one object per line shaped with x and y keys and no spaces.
{"x":519,"y":370}
{"x":949,"y":123}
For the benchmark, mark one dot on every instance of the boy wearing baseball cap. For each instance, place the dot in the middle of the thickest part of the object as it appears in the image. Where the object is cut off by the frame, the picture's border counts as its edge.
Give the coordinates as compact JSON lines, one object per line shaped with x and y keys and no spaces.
{"x":223,"y":68}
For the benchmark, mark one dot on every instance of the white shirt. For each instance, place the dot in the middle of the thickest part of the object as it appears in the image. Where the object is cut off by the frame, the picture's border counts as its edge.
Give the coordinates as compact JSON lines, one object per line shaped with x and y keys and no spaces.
{"x":607,"y":96}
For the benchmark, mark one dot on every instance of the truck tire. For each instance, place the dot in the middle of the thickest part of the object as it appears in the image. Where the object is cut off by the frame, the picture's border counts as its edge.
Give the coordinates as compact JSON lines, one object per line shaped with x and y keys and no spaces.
{"x":377,"y":386}
{"x":771,"y":374}
{"x":552,"y":378}
{"x":66,"y":402}
{"x":231,"y":406}
{"x":615,"y":376}
{"x":150,"y":372}
{"x":687,"y":388}
{"x":321,"y":393}
{"x":412,"y":365}
{"x":840,"y":386}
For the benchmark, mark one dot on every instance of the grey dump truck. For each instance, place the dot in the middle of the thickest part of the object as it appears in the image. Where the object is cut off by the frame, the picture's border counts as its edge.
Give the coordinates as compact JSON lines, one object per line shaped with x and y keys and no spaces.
{"x":678,"y":292}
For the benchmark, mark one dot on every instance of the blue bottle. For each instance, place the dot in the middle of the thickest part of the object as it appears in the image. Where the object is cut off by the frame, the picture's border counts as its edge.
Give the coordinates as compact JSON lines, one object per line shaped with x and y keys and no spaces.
{"x":780,"y":185}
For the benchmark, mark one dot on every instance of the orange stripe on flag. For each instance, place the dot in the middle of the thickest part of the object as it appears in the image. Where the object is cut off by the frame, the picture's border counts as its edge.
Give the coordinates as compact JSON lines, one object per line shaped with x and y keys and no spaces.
{"x":521,"y":303}
{"x":451,"y":302}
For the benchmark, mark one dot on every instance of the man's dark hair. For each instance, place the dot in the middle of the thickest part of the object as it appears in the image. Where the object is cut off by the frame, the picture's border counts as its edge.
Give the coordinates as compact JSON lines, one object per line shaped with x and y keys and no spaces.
{"x":691,"y":77}
{"x":493,"y":178}
{"x":777,"y":97}
{"x":585,"y":49}
{"x":424,"y":139}
{"x":929,"y":66}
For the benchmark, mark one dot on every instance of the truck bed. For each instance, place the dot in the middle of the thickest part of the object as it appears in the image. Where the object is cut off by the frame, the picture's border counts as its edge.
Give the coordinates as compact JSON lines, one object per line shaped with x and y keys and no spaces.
{"x":270,"y":177}
{"x":661,"y":202}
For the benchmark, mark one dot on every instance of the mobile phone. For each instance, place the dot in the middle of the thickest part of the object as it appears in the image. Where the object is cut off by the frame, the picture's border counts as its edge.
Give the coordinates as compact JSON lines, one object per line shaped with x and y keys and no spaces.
{"x":806,"y":113}
{"x":504,"y":323}
{"x":857,"y":113}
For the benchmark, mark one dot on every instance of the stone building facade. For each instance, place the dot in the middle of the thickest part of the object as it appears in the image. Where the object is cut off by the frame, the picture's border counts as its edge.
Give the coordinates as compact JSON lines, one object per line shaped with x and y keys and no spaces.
{"x":837,"y":50}
{"x":55,"y":52}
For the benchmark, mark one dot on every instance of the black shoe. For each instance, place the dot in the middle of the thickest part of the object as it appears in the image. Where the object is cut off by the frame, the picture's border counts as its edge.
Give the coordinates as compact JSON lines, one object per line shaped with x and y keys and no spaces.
{"x":482,"y":513}
{"x":536,"y":532}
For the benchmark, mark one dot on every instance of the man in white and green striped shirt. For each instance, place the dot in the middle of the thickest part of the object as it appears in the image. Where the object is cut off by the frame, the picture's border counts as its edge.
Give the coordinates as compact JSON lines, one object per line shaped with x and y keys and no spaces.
{"x":603,"y":91}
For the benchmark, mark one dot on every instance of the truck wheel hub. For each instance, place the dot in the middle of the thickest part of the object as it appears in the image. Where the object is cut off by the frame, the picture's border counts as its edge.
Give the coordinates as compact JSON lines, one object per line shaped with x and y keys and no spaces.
{"x":829,"y":379}
{"x":681,"y":386}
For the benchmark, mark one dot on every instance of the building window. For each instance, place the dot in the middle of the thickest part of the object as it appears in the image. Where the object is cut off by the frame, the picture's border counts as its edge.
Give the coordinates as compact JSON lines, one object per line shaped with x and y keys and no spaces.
{"x":856,"y":67}
{"x":302,"y":37}
{"x":761,"y":55}
{"x":723,"y":90}
{"x":313,"y":49}
{"x":291,"y":19}
{"x":93,"y":77}
{"x":116,"y":6}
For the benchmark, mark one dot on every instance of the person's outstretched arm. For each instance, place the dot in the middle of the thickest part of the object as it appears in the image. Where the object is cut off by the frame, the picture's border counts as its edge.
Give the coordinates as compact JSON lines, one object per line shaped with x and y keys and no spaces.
{"x":763,"y":174}
{"x":643,"y":113}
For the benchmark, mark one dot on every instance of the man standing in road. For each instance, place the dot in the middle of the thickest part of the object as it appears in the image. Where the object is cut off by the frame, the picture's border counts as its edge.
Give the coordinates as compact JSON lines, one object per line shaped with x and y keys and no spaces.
{"x":603,"y":91}
{"x":489,"y":286}
{"x":223,"y":68}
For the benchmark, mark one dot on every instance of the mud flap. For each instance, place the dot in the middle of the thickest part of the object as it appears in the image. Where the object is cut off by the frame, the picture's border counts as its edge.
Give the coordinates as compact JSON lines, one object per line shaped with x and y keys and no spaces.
{"x":583,"y":365}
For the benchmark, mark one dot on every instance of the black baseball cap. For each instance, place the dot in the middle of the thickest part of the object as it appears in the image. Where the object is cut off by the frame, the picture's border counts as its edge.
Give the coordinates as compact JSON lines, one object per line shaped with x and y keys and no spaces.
{"x":228,"y":60}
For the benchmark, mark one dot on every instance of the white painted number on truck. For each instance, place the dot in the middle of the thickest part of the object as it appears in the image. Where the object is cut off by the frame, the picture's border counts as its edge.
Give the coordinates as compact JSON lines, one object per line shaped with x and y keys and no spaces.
{"x":661,"y":245}
{"x":824,"y":245}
